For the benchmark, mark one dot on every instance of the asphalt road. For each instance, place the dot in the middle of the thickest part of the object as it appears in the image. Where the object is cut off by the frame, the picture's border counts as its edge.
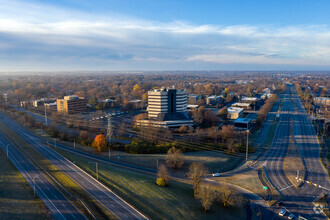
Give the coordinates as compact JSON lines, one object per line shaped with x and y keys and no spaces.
{"x":104,"y":196}
{"x":298,"y":201}
{"x":58,"y":205}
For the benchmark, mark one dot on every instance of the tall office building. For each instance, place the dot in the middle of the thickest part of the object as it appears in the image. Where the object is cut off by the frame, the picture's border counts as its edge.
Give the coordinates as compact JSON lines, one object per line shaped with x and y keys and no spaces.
{"x":167,"y":108}
{"x":166,"y":101}
{"x":71,"y":104}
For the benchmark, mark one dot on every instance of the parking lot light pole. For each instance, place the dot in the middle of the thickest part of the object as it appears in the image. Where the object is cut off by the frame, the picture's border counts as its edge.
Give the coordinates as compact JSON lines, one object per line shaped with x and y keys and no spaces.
{"x":247,"y":144}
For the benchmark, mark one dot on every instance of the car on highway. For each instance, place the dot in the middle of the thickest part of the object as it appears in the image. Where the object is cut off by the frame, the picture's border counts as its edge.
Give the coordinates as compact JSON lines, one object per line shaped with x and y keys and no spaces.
{"x":215,"y":174}
{"x":282,"y":213}
{"x":279,"y":204}
{"x":291,"y":216}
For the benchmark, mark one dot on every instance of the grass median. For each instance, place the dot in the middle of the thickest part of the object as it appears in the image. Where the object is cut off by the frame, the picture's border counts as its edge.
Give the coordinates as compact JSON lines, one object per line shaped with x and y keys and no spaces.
{"x":16,"y":196}
{"x":293,"y":161}
{"x":62,"y":181}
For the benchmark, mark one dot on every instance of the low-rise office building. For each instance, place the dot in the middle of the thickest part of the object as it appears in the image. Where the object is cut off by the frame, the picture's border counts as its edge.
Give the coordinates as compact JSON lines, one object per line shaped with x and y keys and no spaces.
{"x":234,"y":112}
{"x":243,"y":123}
{"x":246,"y":106}
{"x":71,"y":104}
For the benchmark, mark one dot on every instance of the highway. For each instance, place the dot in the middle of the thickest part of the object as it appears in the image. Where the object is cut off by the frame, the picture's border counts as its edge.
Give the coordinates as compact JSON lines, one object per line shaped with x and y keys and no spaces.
{"x":298,"y":201}
{"x":104,"y":196}
{"x":58,"y":205}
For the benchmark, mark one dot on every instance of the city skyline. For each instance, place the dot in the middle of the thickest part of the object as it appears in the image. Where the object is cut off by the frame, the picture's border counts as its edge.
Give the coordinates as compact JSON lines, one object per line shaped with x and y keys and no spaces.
{"x":167,"y":35}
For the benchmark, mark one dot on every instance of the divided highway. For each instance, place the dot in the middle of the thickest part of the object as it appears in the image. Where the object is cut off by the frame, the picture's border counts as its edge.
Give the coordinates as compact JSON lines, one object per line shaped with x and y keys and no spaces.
{"x":58,"y":205}
{"x":104,"y":196}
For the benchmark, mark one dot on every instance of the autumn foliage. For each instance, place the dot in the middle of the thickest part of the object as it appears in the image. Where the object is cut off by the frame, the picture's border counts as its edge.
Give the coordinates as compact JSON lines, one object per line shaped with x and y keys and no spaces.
{"x":100,"y":142}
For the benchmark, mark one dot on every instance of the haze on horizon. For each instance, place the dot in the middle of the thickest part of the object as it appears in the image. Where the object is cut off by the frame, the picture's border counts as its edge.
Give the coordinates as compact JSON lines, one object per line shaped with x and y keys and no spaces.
{"x":164,"y":35}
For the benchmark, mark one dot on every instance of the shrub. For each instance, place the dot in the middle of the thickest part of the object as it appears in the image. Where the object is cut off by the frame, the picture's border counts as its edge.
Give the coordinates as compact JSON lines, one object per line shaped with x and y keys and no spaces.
{"x":161,"y":182}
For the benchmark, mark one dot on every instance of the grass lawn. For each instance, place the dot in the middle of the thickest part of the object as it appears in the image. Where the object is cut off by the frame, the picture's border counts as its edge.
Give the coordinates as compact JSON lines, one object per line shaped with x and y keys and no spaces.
{"x":173,"y":202}
{"x":16,"y":196}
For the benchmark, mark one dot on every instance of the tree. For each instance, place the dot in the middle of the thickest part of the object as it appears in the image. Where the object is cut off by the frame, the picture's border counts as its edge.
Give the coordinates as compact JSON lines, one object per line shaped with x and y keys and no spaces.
{"x":162,"y":176}
{"x":228,"y":197}
{"x":196,"y":173}
{"x":227,"y":132}
{"x":206,"y":195}
{"x":223,"y":113}
{"x":174,"y":158}
{"x":100,"y":142}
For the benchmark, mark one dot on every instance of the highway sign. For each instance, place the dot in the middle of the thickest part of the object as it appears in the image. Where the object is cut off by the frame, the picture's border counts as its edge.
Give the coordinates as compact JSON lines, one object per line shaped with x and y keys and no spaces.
{"x":265,"y":187}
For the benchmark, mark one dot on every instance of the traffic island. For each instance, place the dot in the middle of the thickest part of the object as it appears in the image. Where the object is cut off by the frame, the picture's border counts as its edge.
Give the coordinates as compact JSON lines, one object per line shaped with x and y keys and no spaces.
{"x":294,"y":164}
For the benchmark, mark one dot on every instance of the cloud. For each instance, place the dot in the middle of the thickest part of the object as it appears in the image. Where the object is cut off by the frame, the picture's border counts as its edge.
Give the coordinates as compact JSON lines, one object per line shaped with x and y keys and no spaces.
{"x":63,"y":38}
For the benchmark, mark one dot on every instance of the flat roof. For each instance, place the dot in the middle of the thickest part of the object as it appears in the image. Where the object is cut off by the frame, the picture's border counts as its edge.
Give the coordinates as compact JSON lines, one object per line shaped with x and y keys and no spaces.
{"x":250,"y":98}
{"x":243,"y":120}
{"x":235,"y":110}
{"x":241,"y":104}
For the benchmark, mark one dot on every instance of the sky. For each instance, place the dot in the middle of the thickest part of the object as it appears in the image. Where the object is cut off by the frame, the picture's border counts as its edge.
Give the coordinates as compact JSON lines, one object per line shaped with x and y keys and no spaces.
{"x":131,"y":35}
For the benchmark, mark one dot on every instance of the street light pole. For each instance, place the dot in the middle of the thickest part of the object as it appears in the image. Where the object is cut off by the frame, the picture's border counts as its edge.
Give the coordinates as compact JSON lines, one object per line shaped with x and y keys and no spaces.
{"x":7,"y":150}
{"x":46,"y":116}
{"x":247,"y":144}
{"x":97,"y":172}
{"x":74,"y":143}
{"x":34,"y":186}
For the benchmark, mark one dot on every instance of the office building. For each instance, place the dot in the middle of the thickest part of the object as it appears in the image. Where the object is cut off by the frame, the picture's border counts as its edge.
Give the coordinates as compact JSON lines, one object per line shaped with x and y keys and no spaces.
{"x":71,"y":104}
{"x":234,"y":112}
{"x":167,"y":108}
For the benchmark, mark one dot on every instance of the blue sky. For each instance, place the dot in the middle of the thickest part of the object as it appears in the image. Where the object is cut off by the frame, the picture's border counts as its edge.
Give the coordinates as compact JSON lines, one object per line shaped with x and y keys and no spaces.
{"x":164,"y":35}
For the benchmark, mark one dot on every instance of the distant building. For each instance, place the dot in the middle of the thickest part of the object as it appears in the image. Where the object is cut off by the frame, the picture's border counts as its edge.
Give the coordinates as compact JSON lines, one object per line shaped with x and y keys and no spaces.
{"x":25,"y":104}
{"x":51,"y":106}
{"x":136,"y":103}
{"x":322,"y":101}
{"x":213,"y":100}
{"x":193,"y":99}
{"x":71,"y":104}
{"x":167,"y":108}
{"x":234,"y":112}
{"x":246,"y":106}
{"x":243,"y":123}
{"x":192,"y":107}
{"x":42,"y":101}
{"x":250,"y":100}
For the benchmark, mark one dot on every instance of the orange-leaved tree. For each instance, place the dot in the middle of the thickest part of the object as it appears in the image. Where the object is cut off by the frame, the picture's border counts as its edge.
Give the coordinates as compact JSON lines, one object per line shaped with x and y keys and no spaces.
{"x":100,"y":142}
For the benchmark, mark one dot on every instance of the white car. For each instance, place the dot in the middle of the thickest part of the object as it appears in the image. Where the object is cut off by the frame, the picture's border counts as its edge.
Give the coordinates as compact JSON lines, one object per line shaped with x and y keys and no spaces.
{"x":215,"y":174}
{"x":291,"y":216}
{"x":282,"y":213}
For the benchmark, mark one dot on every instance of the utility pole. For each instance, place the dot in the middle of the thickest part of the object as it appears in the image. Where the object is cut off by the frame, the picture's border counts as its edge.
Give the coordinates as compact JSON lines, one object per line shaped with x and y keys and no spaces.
{"x":46,"y":116}
{"x":109,"y":129}
{"x":34,"y":186}
{"x":109,"y":153}
{"x":7,"y":150}
{"x":55,"y":143}
{"x":247,"y":145}
{"x":96,"y":169}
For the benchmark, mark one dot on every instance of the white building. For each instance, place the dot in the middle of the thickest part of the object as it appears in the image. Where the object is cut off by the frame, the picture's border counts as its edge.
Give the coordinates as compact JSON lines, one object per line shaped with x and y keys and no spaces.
{"x":167,"y":108}
{"x":234,"y":112}
{"x":241,"y":105}
{"x":163,"y":101}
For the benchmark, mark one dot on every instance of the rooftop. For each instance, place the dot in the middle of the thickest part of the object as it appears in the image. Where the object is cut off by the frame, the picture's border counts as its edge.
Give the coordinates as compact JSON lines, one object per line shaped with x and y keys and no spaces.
{"x":234,"y":110}
{"x":243,"y":120}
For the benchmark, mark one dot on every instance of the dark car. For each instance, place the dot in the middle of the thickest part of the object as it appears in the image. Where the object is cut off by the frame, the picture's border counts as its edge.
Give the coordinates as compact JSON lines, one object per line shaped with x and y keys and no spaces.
{"x":279,"y":204}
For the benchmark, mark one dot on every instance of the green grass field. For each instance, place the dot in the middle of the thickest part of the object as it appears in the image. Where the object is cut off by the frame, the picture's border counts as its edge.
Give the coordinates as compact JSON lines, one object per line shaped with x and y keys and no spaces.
{"x":173,"y":202}
{"x":16,"y":196}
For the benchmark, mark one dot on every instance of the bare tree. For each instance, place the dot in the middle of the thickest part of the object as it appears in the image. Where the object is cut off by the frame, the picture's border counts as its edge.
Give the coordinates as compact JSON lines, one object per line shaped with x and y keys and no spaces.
{"x":196,"y":173}
{"x":206,"y":195}
{"x":162,"y":176}
{"x":174,"y":158}
{"x":228,"y":197}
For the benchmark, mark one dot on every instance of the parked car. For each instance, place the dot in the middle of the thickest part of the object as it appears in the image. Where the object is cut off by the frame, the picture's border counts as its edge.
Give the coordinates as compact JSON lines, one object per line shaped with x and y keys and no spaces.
{"x":282,"y":213}
{"x":215,"y":174}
